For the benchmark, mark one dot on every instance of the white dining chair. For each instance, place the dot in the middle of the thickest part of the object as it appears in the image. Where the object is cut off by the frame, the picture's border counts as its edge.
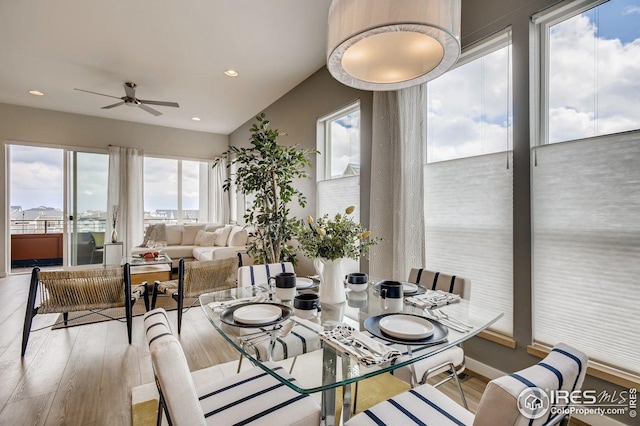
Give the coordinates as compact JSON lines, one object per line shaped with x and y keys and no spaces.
{"x":300,"y":340}
{"x":250,"y":396}
{"x":450,"y":360}
{"x":564,"y":368}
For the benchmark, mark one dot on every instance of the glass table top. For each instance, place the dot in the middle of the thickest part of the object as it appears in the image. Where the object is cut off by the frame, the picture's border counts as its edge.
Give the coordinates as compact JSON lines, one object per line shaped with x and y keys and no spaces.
{"x":329,"y":367}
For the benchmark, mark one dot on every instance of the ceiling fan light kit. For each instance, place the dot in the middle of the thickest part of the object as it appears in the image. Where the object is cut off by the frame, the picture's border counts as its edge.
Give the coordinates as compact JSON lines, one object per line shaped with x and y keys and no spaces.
{"x":392,"y":44}
{"x":130,"y":100}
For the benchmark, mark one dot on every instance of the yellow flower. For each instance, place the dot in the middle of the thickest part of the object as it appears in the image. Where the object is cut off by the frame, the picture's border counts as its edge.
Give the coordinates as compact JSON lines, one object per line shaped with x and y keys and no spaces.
{"x":350,"y":209}
{"x":309,"y":219}
{"x":321,"y":231}
{"x":365,"y":234}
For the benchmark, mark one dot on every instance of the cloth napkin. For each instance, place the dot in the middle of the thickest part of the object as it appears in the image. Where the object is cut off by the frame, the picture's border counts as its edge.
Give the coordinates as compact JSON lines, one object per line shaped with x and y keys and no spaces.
{"x":340,"y":336}
{"x":222,"y":305}
{"x":433,"y":299}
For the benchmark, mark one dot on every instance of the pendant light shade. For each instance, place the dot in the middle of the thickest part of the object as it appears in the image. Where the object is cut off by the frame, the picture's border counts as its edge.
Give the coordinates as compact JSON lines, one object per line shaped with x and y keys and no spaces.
{"x":392,"y":44}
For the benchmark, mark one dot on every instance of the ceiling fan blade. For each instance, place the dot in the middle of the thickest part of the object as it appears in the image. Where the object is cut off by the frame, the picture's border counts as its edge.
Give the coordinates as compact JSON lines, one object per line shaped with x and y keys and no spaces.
{"x":96,"y":93}
{"x":130,"y":89}
{"x":150,"y":110}
{"x":114,"y":105}
{"x":161,"y":103}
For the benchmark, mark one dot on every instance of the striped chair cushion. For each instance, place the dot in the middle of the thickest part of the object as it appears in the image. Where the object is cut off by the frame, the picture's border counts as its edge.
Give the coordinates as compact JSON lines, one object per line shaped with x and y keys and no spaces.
{"x":564,"y":368}
{"x":300,"y":340}
{"x":454,"y":355}
{"x":255,"y":397}
{"x":260,"y":274}
{"x":251,"y":397}
{"x":421,"y":405}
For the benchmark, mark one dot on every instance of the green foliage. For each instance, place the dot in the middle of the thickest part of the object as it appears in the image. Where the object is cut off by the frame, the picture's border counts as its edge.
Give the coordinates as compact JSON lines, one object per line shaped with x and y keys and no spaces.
{"x":266,"y":170}
{"x":335,"y":238}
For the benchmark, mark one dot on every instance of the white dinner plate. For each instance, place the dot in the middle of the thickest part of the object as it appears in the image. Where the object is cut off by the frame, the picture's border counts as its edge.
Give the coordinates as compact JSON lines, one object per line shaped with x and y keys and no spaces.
{"x":302,"y":283}
{"x":409,"y":288}
{"x":408,"y":327}
{"x":257,"y":314}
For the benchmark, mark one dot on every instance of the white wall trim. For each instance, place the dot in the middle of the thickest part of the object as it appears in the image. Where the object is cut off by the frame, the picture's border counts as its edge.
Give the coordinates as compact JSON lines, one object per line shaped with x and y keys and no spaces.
{"x":493,"y":373}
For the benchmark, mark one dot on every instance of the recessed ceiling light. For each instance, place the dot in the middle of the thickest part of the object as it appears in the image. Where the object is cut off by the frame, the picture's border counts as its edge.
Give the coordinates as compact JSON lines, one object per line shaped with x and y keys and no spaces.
{"x":195,"y":118}
{"x":231,"y":73}
{"x":36,"y":93}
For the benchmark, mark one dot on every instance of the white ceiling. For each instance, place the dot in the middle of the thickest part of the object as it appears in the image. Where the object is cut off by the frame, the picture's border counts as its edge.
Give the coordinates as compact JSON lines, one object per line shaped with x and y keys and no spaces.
{"x":173,"y":50}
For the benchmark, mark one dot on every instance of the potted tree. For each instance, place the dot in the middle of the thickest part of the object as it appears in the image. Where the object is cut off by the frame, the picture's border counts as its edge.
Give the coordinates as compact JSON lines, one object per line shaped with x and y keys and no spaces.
{"x":266,"y":171}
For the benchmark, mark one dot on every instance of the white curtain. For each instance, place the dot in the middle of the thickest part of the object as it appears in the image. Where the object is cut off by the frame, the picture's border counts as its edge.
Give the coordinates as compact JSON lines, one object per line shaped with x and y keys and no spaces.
{"x":126,"y":195}
{"x":397,"y":186}
{"x":218,"y":197}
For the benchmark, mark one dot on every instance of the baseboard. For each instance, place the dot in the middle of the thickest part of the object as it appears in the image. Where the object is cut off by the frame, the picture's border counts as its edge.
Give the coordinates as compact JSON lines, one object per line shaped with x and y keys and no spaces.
{"x":493,"y":373}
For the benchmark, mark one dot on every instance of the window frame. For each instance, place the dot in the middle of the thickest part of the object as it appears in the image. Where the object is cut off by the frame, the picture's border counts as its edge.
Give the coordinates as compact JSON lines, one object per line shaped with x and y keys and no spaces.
{"x":541,"y":23}
{"x":477,"y":50}
{"x":324,"y":142}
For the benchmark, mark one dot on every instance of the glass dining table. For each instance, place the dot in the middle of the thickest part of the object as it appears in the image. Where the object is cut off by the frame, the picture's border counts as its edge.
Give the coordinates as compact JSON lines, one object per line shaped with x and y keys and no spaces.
{"x":333,"y":367}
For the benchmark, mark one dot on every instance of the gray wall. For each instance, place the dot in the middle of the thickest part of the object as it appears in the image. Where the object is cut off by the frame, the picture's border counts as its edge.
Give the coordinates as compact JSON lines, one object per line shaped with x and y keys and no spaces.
{"x":296,"y":113}
{"x":23,"y":124}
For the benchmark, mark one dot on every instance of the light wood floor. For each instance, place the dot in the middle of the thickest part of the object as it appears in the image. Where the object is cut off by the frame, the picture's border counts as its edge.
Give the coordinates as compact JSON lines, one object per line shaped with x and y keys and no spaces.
{"x":84,"y":375}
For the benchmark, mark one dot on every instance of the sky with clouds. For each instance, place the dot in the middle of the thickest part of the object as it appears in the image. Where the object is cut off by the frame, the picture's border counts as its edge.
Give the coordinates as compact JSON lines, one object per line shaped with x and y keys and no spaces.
{"x":594,"y":90}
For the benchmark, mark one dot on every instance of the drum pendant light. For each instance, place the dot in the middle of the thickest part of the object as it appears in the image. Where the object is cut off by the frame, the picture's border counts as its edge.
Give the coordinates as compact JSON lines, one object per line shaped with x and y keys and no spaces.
{"x":392,"y":44}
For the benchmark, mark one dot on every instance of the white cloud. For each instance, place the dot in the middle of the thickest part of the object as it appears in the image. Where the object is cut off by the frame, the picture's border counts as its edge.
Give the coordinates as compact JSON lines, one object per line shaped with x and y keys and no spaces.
{"x":631,"y":9}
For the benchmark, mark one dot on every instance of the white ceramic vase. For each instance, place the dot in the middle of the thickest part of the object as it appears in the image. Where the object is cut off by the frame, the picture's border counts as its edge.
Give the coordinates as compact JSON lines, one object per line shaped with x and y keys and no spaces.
{"x":114,"y":236}
{"x":331,"y":280}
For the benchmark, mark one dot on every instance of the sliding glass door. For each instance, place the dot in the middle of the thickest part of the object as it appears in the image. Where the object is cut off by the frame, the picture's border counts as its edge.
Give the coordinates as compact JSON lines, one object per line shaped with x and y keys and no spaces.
{"x":58,"y":204}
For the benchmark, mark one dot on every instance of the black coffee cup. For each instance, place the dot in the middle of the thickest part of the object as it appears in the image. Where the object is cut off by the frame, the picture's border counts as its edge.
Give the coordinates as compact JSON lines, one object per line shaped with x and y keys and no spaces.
{"x":306,"y":301}
{"x":357,"y":278}
{"x":391,"y":289}
{"x":285,"y":280}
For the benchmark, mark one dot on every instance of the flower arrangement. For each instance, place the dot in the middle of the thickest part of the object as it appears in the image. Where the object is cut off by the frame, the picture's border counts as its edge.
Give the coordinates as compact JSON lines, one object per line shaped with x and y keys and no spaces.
{"x":336,"y":238}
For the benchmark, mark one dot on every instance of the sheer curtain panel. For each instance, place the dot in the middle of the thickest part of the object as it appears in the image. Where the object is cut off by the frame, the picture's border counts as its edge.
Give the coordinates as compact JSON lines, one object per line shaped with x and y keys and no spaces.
{"x":586,"y":247}
{"x":397,"y":181}
{"x":125,"y":192}
{"x":218,"y":197}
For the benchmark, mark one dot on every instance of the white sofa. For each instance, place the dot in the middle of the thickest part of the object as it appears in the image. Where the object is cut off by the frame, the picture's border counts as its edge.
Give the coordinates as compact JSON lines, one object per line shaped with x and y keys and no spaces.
{"x":196,"y":241}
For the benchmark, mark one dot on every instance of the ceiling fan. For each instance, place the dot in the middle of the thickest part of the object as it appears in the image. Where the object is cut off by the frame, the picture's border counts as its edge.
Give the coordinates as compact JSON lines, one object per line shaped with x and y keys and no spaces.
{"x":131,"y":100}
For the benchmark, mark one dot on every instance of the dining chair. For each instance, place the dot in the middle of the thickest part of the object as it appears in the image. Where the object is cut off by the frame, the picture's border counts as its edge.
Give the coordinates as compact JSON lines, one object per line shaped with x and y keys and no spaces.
{"x":564,"y":368}
{"x":256,"y":275}
{"x":300,"y":340}
{"x":252,"y":395}
{"x":80,"y":289}
{"x":450,"y":360}
{"x":196,"y":278}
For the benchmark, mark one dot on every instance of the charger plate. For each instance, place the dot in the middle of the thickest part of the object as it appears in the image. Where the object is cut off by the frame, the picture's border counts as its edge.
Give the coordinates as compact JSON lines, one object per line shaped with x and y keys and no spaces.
{"x":255,"y":314}
{"x":440,"y":332}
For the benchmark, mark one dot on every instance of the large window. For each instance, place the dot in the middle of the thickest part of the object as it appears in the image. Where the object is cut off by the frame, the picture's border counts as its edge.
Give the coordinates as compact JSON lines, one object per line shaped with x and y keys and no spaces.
{"x":586,"y":190}
{"x":338,"y":171}
{"x":592,"y":61}
{"x":468,"y":177}
{"x":175,"y":191}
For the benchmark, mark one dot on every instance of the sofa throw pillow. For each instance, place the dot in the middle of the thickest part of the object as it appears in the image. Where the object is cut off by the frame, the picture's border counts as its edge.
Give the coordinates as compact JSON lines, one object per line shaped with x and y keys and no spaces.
{"x":222,"y":235}
{"x":238,"y":237}
{"x":189,"y":234}
{"x":157,"y":233}
{"x":199,"y":237}
{"x":208,"y":239}
{"x":174,"y":235}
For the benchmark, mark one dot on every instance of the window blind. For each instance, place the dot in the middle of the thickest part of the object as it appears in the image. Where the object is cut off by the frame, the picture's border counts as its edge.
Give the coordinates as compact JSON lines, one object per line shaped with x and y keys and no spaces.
{"x":334,"y":196}
{"x":468,"y":214}
{"x":586,"y":247}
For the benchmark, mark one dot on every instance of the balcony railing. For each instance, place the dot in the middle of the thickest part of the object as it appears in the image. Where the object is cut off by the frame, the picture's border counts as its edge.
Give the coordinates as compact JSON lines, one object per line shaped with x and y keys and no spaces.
{"x":53,"y":226}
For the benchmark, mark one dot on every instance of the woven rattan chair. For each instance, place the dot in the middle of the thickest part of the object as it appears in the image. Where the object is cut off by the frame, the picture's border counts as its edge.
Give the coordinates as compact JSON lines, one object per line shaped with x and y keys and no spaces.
{"x":75,"y":290}
{"x":196,"y":278}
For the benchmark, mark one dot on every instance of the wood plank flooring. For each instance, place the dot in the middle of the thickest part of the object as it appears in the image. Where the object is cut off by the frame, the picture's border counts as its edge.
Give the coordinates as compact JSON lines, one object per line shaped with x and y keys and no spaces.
{"x":84,"y":375}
